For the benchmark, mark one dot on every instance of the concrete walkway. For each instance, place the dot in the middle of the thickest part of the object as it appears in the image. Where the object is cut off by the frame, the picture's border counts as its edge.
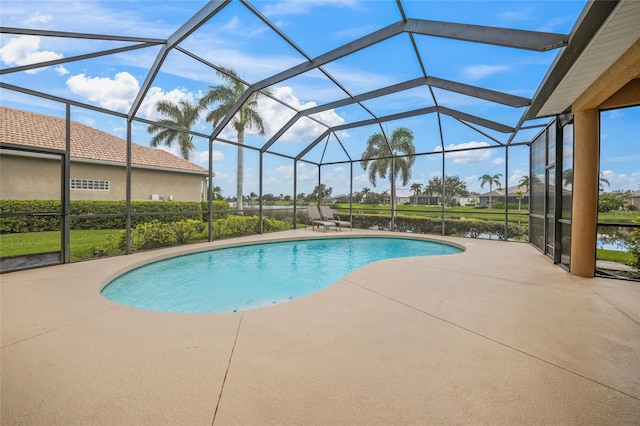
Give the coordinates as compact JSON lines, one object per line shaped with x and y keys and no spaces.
{"x":495,"y":335}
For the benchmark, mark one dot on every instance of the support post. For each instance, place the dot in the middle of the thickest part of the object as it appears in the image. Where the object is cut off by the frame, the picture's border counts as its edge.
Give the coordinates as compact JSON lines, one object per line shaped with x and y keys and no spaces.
{"x":585,"y":193}
{"x":128,"y":191}
{"x":66,"y":191}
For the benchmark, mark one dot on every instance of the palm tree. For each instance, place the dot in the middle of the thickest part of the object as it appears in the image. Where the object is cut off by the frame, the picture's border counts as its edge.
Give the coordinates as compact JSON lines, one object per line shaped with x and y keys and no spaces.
{"x":417,"y":189}
{"x":225,"y":96}
{"x":567,"y":179}
{"x":381,"y":153}
{"x":602,"y":180}
{"x":428,"y":191}
{"x":217,"y":192}
{"x":365,"y":191}
{"x":524,"y":181}
{"x":520,"y":196}
{"x":491,"y":180}
{"x":183,"y":116}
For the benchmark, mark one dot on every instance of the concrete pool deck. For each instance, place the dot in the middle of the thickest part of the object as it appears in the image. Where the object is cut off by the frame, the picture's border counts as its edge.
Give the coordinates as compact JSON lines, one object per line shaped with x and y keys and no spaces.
{"x":495,"y":335}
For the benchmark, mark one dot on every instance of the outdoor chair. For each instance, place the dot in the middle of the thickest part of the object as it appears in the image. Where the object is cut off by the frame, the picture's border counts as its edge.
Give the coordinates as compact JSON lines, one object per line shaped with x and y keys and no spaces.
{"x":327,"y":214}
{"x":315,"y":219}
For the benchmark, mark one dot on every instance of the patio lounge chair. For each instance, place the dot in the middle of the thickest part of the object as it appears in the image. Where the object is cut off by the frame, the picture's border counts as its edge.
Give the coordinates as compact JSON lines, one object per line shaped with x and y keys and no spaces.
{"x":327,"y":214}
{"x":316,"y":220}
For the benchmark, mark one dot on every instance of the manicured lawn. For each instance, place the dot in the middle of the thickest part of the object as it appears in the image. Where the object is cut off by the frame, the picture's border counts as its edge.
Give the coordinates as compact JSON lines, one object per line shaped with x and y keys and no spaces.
{"x":615,"y":256}
{"x":619,"y":216}
{"x":38,"y":242}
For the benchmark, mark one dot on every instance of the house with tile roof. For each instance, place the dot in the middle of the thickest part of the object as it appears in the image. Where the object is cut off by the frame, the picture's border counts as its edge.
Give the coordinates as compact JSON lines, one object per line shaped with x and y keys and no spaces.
{"x":497,"y":195}
{"x":31,"y":163}
{"x":635,"y":199}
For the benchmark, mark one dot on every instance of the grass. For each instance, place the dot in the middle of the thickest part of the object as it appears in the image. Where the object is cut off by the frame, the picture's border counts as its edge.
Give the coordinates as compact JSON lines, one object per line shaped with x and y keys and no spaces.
{"x":81,"y":242}
{"x":618,"y":216}
{"x":615,"y":256}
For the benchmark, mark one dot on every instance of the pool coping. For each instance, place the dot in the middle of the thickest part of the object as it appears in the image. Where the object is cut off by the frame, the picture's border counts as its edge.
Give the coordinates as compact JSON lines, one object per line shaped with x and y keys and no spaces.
{"x":496,"y":334}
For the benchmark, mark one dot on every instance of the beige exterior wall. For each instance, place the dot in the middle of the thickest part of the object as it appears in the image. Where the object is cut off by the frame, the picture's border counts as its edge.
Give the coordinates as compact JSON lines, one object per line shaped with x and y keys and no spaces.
{"x":28,"y":178}
{"x":180,"y":186}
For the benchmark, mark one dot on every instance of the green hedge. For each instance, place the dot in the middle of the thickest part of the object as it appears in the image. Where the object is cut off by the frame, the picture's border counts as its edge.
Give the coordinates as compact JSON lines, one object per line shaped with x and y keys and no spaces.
{"x":28,"y":222}
{"x":154,"y":233}
{"x":455,"y":227}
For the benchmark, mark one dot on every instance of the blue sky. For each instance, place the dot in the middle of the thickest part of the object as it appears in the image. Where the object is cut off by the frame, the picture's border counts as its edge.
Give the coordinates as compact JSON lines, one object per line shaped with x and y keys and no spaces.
{"x":237,"y":39}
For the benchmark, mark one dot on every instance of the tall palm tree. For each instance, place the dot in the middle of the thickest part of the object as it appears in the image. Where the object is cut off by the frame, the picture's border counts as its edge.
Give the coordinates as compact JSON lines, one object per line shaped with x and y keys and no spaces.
{"x":567,"y":179}
{"x":365,"y":191}
{"x":491,"y":180}
{"x":602,"y":180}
{"x":217,"y":192}
{"x":520,"y":196}
{"x":417,"y":189}
{"x":224,"y":97}
{"x":380,"y":154}
{"x":429,"y":189}
{"x":183,"y":116}
{"x":524,"y":181}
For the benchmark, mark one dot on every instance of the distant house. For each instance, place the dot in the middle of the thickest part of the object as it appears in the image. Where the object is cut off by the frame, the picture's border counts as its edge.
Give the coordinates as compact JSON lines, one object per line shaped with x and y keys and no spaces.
{"x":635,"y":199}
{"x":403,"y":196}
{"x":498,"y":195}
{"x":98,"y":163}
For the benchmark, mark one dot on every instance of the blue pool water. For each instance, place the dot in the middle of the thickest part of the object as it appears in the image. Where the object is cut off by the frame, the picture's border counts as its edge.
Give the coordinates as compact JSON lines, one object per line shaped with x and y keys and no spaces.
{"x":247,"y":277}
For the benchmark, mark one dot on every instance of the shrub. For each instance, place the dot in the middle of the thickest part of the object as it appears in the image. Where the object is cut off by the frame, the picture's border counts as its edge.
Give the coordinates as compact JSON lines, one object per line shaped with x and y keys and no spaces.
{"x":28,"y":221}
{"x":148,"y":235}
{"x":498,"y":205}
{"x":455,"y":227}
{"x":220,"y":209}
{"x":272,"y":225}
{"x":634,"y":244}
{"x":184,"y":230}
{"x":615,"y":200}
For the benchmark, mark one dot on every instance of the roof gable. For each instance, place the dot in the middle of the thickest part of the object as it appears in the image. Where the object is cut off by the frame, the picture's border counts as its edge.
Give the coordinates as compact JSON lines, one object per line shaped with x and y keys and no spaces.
{"x":44,"y":131}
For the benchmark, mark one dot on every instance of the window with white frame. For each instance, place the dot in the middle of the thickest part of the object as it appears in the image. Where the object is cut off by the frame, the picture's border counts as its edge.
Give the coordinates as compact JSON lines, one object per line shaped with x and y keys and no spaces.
{"x":90,"y":184}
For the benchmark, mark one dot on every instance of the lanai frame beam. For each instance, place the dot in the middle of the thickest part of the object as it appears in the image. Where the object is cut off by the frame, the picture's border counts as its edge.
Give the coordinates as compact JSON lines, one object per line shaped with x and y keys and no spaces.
{"x":521,"y":39}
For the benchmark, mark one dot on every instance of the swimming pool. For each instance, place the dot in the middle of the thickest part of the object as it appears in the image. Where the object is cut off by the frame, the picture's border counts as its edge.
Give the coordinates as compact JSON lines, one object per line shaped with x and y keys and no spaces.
{"x":252,"y":276}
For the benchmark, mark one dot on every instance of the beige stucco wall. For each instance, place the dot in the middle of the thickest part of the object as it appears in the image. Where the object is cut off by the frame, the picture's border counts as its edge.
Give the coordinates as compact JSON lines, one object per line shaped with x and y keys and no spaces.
{"x":25,"y":178}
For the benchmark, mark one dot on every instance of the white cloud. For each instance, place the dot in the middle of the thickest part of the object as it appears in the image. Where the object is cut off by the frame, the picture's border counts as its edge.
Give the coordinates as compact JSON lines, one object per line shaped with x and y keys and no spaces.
{"x":497,"y":161}
{"x":87,"y":121}
{"x":297,"y":7}
{"x":517,"y":174}
{"x":466,"y":157}
{"x":231,"y":25}
{"x":305,"y":173}
{"x":119,"y":92}
{"x":156,"y":94}
{"x":62,"y":70}
{"x":38,"y":19}
{"x":25,"y":50}
{"x":478,"y":72}
{"x":115,"y":94}
{"x":360,"y":181}
{"x":202,"y":157}
{"x":276,"y":115}
{"x":523,"y":14}
{"x":621,"y":181}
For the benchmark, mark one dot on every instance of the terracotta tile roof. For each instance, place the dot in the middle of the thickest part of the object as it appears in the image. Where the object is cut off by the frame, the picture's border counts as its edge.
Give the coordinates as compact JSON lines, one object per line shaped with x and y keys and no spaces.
{"x":43,"y":131}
